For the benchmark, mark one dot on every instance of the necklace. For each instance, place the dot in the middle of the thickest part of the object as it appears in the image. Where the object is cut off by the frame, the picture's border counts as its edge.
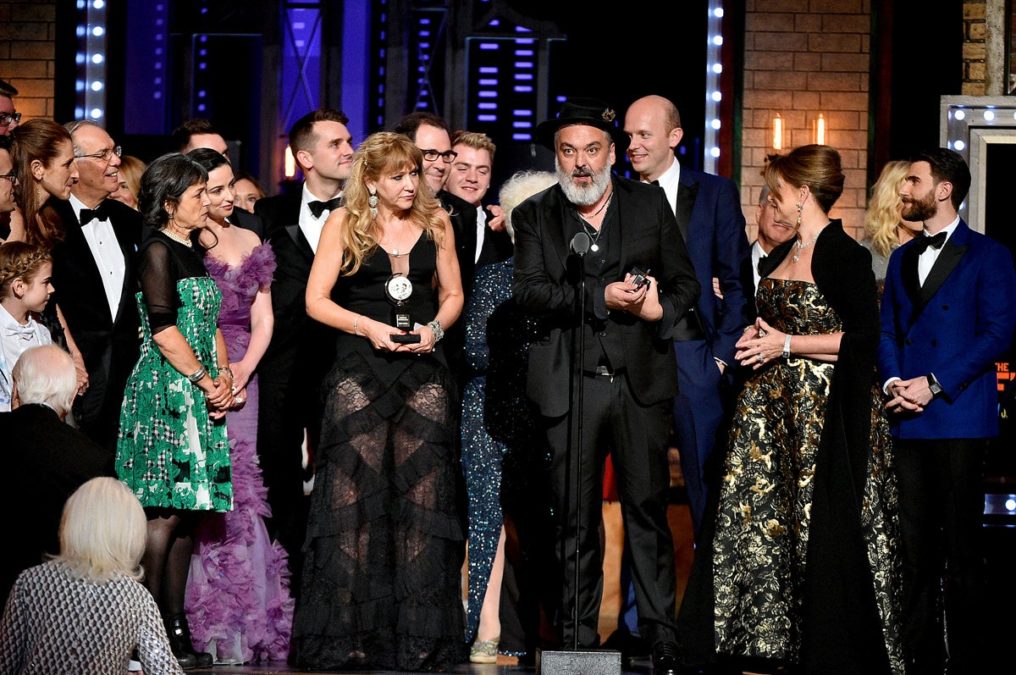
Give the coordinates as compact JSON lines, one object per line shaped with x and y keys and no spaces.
{"x":599,"y":210}
{"x":800,"y":247}
{"x":593,"y":232}
{"x":177,"y":238}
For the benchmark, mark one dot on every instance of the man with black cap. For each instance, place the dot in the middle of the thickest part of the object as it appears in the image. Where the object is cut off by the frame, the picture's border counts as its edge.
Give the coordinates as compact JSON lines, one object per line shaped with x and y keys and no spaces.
{"x":638,"y":283}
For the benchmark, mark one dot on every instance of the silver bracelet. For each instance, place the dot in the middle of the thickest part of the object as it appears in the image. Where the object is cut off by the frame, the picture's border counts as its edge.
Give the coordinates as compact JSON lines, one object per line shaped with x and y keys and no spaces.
{"x":786,"y":348}
{"x":197,"y":375}
{"x":435,"y":327}
{"x":356,"y":323}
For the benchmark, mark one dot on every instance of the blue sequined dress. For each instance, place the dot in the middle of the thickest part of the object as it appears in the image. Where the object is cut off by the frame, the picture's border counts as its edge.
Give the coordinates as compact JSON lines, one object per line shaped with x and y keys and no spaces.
{"x":498,"y":442}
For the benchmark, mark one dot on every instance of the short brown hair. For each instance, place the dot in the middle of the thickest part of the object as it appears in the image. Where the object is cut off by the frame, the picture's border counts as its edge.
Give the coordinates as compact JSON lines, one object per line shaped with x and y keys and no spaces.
{"x":411,"y":123}
{"x":817,"y":166}
{"x":475,"y":140}
{"x":182,"y":134}
{"x":301,"y":134}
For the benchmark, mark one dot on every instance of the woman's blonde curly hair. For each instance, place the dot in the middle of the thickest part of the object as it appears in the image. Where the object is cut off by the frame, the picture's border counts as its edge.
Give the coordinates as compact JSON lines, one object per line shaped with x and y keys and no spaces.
{"x":883,"y":214}
{"x":382,"y":154}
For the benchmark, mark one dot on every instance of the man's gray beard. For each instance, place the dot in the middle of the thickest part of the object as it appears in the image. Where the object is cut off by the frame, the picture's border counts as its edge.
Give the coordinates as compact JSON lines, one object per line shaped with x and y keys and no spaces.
{"x":583,"y":195}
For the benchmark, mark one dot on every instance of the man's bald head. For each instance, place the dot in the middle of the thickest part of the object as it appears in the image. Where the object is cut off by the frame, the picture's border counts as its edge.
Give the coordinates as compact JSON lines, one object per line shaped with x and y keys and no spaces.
{"x":654,"y":126}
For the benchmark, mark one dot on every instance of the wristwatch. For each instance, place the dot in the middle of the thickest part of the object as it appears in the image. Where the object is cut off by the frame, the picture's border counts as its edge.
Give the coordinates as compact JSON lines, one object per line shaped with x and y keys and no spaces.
{"x":933,"y":385}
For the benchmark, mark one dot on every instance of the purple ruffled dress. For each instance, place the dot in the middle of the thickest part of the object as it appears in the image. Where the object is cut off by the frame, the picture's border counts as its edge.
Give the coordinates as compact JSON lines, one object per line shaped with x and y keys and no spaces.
{"x":238,"y":601}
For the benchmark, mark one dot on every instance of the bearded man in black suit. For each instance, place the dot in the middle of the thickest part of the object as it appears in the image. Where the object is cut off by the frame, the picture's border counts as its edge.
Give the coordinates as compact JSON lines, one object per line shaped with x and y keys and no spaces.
{"x":94,"y":278}
{"x":298,"y":356}
{"x":628,"y":373}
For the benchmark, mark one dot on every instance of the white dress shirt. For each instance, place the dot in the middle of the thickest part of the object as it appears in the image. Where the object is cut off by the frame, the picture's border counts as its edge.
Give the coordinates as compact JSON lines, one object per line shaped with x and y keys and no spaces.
{"x":669,"y":181}
{"x":15,"y":339}
{"x":481,"y":226}
{"x":309,"y":225}
{"x":927,"y":259}
{"x":757,"y":254}
{"x":106,"y":253}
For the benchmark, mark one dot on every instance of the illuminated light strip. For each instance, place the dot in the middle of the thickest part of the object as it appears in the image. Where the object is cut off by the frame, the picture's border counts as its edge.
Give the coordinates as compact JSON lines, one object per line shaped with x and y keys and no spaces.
{"x":90,"y":59}
{"x":714,"y":69}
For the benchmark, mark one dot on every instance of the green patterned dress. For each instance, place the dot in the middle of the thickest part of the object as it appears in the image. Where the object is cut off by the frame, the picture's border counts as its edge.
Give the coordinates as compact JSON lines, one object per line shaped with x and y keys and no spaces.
{"x":169,"y":450}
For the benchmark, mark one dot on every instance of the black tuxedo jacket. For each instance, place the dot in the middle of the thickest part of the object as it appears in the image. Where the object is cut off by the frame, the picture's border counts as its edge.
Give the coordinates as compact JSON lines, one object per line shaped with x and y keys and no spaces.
{"x":45,"y":461}
{"x":109,"y":344}
{"x":649,"y":239}
{"x":298,"y":342}
{"x":497,"y":246}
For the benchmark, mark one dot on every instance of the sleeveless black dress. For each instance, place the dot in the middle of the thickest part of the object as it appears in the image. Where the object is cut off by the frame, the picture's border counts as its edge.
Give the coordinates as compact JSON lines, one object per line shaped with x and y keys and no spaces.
{"x":384,"y":547}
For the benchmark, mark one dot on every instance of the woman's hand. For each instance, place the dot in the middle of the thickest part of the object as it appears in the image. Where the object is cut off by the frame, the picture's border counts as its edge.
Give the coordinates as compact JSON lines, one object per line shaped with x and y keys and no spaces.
{"x":241,"y":375}
{"x":380,"y":335}
{"x":239,"y":398}
{"x":426,"y":343}
{"x":218,"y":392}
{"x":760,"y":344}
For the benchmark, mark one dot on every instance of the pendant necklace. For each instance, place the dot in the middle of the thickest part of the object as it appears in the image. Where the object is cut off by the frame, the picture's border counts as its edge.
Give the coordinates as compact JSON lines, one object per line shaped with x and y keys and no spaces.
{"x":595,"y":234}
{"x":800,"y":247}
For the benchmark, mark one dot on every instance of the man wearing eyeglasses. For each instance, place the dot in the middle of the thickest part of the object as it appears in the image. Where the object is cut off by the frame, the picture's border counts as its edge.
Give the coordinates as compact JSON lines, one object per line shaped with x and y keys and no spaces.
{"x":9,"y":117}
{"x":94,"y":268}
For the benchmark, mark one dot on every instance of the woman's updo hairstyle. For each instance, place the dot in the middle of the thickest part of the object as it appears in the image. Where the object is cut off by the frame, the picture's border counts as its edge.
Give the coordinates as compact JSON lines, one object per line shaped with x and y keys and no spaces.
{"x":817,"y":166}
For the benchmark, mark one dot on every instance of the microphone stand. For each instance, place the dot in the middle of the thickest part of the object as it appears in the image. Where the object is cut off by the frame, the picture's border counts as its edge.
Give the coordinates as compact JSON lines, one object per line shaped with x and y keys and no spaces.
{"x":580,"y":244}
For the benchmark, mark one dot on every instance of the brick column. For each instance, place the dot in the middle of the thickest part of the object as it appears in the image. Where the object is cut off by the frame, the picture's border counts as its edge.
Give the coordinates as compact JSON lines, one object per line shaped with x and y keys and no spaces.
{"x":802,"y":58}
{"x":28,"y":52}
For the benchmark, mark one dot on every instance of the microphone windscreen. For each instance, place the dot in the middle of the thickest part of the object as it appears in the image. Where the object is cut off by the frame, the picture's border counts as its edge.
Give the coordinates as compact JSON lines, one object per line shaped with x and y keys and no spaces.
{"x":580,"y":243}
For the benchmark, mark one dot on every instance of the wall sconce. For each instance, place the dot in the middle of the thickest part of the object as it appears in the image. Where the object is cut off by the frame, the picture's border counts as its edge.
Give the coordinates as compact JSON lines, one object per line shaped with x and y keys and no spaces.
{"x":777,"y":132}
{"x":290,"y":164}
{"x":820,"y":130}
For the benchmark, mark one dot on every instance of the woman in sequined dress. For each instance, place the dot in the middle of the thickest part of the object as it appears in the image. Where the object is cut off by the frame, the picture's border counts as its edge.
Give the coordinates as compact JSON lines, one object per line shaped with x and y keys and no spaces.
{"x":805,"y":570}
{"x":495,"y":421}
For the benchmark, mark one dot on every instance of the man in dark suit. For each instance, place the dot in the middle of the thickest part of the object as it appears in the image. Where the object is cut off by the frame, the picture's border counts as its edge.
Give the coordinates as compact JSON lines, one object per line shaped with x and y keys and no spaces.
{"x":301,"y":351}
{"x":94,"y":278}
{"x":628,"y":375}
{"x":711,"y":223}
{"x":947,"y":315}
{"x":46,"y":459}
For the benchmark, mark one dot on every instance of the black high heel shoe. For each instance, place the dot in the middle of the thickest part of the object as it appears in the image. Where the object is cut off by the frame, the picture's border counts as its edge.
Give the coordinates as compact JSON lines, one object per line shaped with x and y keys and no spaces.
{"x":180,"y":642}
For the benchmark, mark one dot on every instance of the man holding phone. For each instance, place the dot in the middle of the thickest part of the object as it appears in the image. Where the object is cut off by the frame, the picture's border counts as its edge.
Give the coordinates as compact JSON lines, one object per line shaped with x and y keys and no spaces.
{"x":639,"y":282}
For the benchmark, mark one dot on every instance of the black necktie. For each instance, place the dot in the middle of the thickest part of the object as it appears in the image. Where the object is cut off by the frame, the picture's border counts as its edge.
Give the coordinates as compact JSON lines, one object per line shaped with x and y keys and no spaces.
{"x":317,"y":208}
{"x":923,"y":243}
{"x":87,"y":215}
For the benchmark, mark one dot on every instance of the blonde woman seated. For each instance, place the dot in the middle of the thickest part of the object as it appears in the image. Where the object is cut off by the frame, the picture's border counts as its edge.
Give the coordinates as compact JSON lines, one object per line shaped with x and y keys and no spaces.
{"x":84,"y":611}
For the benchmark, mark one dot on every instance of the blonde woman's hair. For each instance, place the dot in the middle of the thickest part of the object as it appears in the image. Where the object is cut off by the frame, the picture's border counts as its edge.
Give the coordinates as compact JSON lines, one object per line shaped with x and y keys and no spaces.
{"x":131,"y":170}
{"x":518,"y":189}
{"x":102,"y":531}
{"x":382,"y":154}
{"x":882,"y":218}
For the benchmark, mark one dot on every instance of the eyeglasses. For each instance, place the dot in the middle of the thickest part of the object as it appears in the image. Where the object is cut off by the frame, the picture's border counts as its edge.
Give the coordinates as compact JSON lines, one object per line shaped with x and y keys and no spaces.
{"x":103,"y":155}
{"x":431,"y":155}
{"x":12,"y":177}
{"x":6,"y":118}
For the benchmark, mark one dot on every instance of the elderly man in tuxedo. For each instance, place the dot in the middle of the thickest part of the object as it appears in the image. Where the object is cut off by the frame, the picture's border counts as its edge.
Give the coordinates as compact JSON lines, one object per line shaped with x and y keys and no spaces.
{"x":639,"y":283}
{"x":291,"y":370}
{"x":47,"y":459}
{"x":94,"y":277}
{"x":947,"y":315}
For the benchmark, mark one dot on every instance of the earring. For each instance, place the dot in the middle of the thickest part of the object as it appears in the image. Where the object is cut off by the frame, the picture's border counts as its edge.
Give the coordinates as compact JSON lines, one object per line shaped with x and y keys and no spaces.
{"x":800,"y":208}
{"x":372,"y":203}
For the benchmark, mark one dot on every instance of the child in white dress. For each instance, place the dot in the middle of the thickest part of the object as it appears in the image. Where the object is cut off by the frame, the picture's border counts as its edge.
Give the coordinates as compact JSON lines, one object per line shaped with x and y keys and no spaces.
{"x":25,"y":287}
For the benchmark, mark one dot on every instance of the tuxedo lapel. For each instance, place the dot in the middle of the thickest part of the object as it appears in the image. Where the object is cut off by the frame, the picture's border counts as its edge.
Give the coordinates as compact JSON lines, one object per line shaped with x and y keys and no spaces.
{"x":944,"y":265}
{"x":558,"y":234}
{"x":686,"y":194}
{"x":911,"y":281}
{"x":78,"y":256}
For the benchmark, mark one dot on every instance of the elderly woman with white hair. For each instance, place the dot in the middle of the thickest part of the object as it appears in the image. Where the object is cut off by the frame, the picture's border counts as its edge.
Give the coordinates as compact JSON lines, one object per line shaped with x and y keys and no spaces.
{"x":496,"y":423}
{"x":84,"y":611}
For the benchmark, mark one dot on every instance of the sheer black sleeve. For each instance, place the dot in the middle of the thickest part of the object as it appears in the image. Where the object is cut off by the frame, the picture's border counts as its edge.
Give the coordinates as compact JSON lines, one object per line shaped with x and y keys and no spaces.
{"x":158,"y":277}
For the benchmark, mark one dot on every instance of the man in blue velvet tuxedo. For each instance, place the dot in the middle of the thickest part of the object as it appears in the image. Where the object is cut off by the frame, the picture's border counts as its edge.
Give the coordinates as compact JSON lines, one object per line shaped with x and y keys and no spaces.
{"x":947,"y":315}
{"x":710,"y":221}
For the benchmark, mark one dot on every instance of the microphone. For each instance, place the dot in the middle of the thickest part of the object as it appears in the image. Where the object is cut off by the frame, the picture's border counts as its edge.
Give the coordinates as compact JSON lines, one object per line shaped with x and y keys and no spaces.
{"x":580,"y":244}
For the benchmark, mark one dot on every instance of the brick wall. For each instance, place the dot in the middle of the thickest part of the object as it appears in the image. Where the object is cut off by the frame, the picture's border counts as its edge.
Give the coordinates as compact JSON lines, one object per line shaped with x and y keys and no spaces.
{"x":975,"y":33}
{"x":27,"y":53}
{"x":803,"y":57}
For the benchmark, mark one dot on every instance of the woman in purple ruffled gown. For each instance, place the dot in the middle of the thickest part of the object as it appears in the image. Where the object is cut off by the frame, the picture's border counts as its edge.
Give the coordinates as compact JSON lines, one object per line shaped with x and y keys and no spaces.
{"x":238,"y":601}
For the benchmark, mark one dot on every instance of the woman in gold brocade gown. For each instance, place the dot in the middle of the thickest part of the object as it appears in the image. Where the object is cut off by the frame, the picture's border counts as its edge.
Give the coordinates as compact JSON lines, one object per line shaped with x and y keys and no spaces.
{"x":805,"y":571}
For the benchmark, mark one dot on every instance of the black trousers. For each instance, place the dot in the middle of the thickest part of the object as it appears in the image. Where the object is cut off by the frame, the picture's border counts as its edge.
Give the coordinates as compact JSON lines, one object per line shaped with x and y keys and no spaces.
{"x":941,"y":510}
{"x":637,"y":435}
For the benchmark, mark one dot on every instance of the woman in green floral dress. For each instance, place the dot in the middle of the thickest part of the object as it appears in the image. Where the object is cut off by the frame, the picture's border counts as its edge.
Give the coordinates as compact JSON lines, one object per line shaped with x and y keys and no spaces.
{"x":172,"y":449}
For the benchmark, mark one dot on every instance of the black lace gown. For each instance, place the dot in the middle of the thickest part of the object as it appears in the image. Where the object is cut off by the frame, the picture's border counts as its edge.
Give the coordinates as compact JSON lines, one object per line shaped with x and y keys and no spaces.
{"x":384,"y":547}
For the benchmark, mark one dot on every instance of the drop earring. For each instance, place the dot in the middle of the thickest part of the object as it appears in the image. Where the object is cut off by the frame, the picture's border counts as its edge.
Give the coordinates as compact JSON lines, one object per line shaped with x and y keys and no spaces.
{"x":800,"y":209}
{"x":372,"y":203}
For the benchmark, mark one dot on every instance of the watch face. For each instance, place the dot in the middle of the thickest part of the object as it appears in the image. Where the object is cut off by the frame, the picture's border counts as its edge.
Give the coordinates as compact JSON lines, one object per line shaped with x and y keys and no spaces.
{"x":399,"y":288}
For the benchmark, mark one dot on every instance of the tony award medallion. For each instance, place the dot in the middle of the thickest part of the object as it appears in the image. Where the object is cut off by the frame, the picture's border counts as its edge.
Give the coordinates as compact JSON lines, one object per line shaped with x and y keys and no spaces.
{"x":399,"y":288}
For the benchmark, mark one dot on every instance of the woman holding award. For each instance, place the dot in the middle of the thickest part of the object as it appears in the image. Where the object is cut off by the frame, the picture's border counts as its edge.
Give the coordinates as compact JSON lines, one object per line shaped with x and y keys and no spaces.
{"x":384,"y":547}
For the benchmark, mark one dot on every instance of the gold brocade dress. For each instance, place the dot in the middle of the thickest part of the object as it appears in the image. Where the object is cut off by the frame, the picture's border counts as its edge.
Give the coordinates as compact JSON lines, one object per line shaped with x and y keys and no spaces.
{"x":761,"y":539}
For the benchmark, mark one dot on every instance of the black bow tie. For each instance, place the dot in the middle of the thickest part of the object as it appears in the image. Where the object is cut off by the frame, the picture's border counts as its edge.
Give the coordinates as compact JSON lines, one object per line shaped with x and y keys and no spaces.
{"x":922,"y":243}
{"x":317,"y":208}
{"x":98,"y":213}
